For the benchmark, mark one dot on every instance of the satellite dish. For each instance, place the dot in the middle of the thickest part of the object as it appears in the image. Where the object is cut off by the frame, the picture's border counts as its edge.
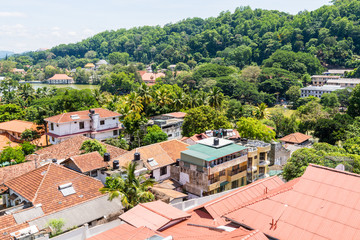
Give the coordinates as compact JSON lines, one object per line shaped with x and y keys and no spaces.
{"x":340,"y":167}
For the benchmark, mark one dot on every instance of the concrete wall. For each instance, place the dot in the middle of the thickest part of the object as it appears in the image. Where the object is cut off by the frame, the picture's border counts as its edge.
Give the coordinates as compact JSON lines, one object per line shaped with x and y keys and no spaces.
{"x":158,"y":178}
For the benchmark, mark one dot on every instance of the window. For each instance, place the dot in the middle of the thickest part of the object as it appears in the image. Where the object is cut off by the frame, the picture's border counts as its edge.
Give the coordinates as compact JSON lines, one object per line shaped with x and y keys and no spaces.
{"x":242,"y":181}
{"x":186,"y":165}
{"x":222,"y":173}
{"x":250,"y":161}
{"x":163,"y":171}
{"x":199,"y":169}
{"x":262,"y":156}
{"x":177,"y":134}
{"x":261,"y":170}
{"x":235,"y":184}
{"x":115,"y":132}
{"x":211,"y":177}
{"x":53,"y":139}
{"x":51,"y":126}
{"x":81,"y":125}
{"x":94,"y":173}
{"x":102,"y":122}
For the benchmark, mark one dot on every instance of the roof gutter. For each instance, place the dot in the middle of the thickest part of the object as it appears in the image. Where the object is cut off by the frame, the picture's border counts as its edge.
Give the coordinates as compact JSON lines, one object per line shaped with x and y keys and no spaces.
{"x":249,"y":228}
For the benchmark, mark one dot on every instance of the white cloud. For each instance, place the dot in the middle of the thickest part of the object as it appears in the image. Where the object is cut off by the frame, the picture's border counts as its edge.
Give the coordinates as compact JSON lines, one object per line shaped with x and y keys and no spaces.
{"x":18,"y":30}
{"x":56,"y":34}
{"x":71,"y":33}
{"x":12,"y":14}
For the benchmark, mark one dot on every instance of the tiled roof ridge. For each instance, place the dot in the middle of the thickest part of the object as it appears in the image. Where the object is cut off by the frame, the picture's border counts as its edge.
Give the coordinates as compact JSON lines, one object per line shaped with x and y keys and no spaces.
{"x":334,"y":170}
{"x":61,"y":117}
{"x":42,"y":180}
{"x":72,"y":171}
{"x":236,"y":192}
{"x":152,"y":210}
{"x":140,"y":229}
{"x":271,"y":193}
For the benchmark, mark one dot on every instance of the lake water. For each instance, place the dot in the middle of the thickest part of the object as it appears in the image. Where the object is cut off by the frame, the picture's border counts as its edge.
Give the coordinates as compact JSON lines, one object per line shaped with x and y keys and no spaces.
{"x":75,"y":86}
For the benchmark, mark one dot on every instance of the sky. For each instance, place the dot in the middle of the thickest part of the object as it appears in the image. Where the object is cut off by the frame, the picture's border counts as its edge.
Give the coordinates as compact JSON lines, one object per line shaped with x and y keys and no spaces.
{"x":28,"y":25}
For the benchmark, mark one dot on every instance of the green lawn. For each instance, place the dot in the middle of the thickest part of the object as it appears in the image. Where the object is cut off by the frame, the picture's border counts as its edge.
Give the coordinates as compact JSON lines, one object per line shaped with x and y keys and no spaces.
{"x":287,"y":112}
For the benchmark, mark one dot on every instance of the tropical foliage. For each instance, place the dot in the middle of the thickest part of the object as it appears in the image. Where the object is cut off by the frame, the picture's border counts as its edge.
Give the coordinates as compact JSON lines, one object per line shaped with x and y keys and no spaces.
{"x":130,"y":188}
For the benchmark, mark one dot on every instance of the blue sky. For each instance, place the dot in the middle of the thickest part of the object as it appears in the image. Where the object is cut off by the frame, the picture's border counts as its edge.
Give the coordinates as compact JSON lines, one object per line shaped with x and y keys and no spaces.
{"x":32,"y":24}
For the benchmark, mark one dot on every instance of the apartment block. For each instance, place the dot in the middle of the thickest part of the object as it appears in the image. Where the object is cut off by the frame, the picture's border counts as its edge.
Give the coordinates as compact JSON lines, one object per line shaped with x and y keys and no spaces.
{"x":212,"y":165}
{"x":258,"y":160}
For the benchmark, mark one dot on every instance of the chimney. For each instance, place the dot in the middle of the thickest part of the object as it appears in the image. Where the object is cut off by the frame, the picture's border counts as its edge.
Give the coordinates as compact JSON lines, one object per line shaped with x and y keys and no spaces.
{"x":216,"y":141}
{"x":116,"y":164}
{"x":95,"y":119}
{"x":136,"y":156}
{"x":106,"y":157}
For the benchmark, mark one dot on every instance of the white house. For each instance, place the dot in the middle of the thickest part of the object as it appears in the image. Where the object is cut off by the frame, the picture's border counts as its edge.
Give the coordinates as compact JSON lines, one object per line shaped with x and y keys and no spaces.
{"x":96,"y":123}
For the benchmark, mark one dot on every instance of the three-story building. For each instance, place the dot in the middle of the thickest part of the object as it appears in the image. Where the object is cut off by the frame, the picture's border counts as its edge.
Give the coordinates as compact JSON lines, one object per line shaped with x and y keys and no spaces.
{"x":212,"y":165}
{"x":96,"y":123}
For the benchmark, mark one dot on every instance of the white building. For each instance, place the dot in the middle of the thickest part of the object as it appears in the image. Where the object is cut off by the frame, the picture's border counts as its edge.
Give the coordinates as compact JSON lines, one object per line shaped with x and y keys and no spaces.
{"x":170,"y":123}
{"x":318,"y":91}
{"x":345,"y":82}
{"x":96,"y":123}
{"x":60,"y":79}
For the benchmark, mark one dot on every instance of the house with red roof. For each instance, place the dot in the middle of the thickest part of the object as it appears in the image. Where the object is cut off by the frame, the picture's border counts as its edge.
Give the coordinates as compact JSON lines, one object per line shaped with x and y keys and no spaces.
{"x":296,"y":139}
{"x":97,"y":123}
{"x":150,"y":78}
{"x":91,"y":164}
{"x":60,"y":79}
{"x":52,"y":192}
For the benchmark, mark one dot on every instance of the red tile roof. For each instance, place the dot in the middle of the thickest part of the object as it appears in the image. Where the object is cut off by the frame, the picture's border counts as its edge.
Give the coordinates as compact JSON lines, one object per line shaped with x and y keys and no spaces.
{"x":60,"y":77}
{"x":322,"y":204}
{"x":126,"y":232}
{"x":83,"y":115}
{"x":176,"y":114}
{"x":231,"y":201}
{"x":8,"y":225}
{"x":17,"y":126}
{"x":13,"y":171}
{"x":69,"y":148}
{"x":154,"y":215}
{"x":151,"y":77}
{"x":164,"y":153}
{"x":87,"y":162}
{"x":40,"y":186}
{"x":295,"y":138}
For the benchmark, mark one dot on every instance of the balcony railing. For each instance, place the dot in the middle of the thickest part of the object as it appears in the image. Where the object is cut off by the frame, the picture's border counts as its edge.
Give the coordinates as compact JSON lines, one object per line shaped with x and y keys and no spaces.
{"x":264,"y":163}
{"x":251,"y":169}
{"x":214,"y":180}
{"x":234,"y":172}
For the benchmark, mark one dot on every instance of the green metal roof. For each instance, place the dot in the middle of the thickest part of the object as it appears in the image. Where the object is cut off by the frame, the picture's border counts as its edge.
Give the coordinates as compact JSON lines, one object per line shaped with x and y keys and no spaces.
{"x":223,"y":183}
{"x":208,"y":153}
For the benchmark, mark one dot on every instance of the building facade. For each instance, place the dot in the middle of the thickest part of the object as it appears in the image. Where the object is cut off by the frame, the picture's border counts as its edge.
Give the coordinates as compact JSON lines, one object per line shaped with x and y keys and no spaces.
{"x":60,"y":79}
{"x":318,"y":91}
{"x":258,"y":160}
{"x":96,"y":123}
{"x":344,"y":82}
{"x":212,"y":165}
{"x":320,"y":80}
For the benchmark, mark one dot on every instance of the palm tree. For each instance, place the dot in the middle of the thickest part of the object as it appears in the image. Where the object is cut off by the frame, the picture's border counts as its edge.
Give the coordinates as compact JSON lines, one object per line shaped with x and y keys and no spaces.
{"x":179,"y":100}
{"x":260,"y":112}
{"x":134,"y":102}
{"x":163,"y":97}
{"x":145,"y":93}
{"x":216,"y":97}
{"x":130,"y":188}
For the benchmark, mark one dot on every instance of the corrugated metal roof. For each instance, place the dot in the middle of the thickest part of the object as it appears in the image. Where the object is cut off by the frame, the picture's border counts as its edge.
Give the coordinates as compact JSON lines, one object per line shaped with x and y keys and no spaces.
{"x":82,"y":213}
{"x":28,"y":214}
{"x":322,"y":204}
{"x":209,"y":153}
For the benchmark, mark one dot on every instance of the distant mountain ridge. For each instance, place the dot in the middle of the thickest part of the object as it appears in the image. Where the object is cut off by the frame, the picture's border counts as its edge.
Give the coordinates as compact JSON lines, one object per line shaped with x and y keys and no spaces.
{"x":4,"y":53}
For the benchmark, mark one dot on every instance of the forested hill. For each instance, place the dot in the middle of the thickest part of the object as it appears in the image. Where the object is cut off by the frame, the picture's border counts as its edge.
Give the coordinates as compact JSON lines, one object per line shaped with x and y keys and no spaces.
{"x":330,"y":32}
